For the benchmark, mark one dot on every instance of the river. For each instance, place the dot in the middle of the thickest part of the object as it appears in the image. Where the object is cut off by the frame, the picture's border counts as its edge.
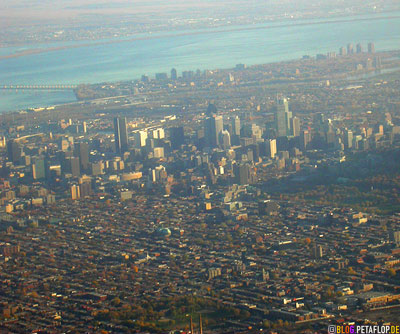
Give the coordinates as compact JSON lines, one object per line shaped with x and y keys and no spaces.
{"x":127,"y":59}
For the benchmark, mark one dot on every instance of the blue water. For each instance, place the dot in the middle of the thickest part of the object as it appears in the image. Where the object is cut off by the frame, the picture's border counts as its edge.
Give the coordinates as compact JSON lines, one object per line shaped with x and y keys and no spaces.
{"x":129,"y":59}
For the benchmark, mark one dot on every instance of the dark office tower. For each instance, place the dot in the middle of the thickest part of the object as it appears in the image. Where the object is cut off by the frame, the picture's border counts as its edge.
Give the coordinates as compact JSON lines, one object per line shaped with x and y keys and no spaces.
{"x":359,"y":48}
{"x":121,"y":135}
{"x":75,"y":167}
{"x":371,"y":47}
{"x":39,"y":169}
{"x":295,"y":127}
{"x":145,"y":79}
{"x":174,"y":74}
{"x":282,"y":117}
{"x":70,"y":165}
{"x":211,"y":109}
{"x":350,"y":49}
{"x":212,"y":127}
{"x":14,"y":151}
{"x":82,"y":152}
{"x":242,"y":174}
{"x":319,"y":120}
{"x":348,"y":139}
{"x":342,"y":51}
{"x":177,"y":137}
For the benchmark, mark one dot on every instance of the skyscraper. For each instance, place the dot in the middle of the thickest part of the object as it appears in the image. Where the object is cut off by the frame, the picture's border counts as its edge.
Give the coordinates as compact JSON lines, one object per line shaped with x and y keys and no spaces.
{"x":350,"y":49}
{"x":75,"y":192}
{"x":174,"y":74}
{"x":348,"y":139}
{"x":82,"y":152}
{"x":236,"y":126}
{"x":271,"y":147}
{"x":121,"y":135}
{"x":140,"y":138}
{"x":295,"y":127}
{"x":282,"y":117}
{"x":377,"y":62}
{"x":211,"y":109}
{"x":177,"y":137}
{"x":305,"y":139}
{"x":243,"y":173}
{"x":14,"y":151}
{"x":235,"y":135}
{"x":212,"y":127}
{"x":371,"y":47}
{"x":225,"y":139}
{"x":70,"y":165}
{"x":39,"y":169}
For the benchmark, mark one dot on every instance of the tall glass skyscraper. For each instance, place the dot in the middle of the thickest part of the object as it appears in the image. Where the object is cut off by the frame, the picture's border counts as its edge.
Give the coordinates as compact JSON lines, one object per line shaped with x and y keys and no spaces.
{"x":283,"y":118}
{"x":121,"y":135}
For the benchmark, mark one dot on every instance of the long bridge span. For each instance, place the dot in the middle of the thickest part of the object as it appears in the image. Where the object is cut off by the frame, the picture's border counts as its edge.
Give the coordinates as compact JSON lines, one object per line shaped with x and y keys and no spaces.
{"x":38,"y":87}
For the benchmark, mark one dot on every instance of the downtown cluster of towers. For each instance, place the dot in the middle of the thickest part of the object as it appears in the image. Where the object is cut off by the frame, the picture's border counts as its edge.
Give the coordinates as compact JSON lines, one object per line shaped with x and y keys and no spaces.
{"x":214,"y":134}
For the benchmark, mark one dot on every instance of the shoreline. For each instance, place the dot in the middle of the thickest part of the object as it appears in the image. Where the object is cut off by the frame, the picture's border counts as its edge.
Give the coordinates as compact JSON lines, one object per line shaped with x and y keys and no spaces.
{"x":79,"y":101}
{"x":188,"y":33}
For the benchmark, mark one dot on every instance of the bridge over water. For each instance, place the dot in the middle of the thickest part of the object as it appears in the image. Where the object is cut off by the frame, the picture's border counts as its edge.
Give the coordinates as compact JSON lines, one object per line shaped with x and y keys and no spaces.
{"x":38,"y":87}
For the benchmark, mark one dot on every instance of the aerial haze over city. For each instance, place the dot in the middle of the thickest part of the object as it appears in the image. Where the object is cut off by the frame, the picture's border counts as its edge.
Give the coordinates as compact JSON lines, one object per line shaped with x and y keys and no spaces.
{"x":200,"y":166}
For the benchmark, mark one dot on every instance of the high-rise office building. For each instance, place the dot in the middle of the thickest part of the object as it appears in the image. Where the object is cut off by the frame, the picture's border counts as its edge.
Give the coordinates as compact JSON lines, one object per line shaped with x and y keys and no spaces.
{"x":211,"y":109}
{"x":295,"y":127}
{"x":271,"y":148}
{"x":377,"y":62}
{"x":75,"y":192}
{"x":371,"y":47}
{"x":39,"y":168}
{"x":14,"y":151}
{"x":82,"y":152}
{"x":305,"y":139}
{"x":236,"y":126}
{"x":121,"y":135}
{"x":85,"y":186}
{"x":252,"y":131}
{"x":177,"y":137}
{"x":174,"y":74}
{"x":342,"y":51}
{"x":359,"y":48}
{"x":157,"y":133}
{"x":282,"y":118}
{"x":235,"y":130}
{"x":212,"y":127}
{"x":71,"y":165}
{"x":350,"y":49}
{"x":225,"y":139}
{"x":243,"y":174}
{"x":97,"y":168}
{"x":140,"y":138}
{"x":348,"y":139}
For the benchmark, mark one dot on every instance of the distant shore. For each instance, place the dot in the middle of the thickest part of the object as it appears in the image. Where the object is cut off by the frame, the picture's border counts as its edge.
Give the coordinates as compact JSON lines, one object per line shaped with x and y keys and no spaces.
{"x":188,"y":33}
